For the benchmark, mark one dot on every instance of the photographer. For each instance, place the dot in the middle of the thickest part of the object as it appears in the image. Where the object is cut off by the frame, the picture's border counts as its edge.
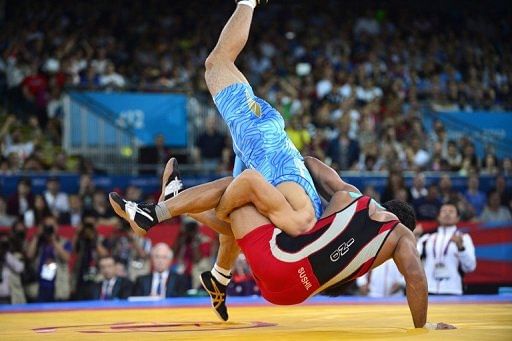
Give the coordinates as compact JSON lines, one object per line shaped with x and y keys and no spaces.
{"x":88,"y":250}
{"x":11,"y":266}
{"x":50,"y":255}
{"x":129,"y":249}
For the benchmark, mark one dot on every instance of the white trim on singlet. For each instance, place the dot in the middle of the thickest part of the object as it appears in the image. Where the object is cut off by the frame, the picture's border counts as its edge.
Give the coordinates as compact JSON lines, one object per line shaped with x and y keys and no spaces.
{"x":368,"y":252}
{"x":338,"y":225}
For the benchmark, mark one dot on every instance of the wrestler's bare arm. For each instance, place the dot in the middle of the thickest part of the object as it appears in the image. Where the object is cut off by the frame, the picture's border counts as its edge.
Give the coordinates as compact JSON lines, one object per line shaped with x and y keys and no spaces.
{"x":408,"y":262}
{"x":327,"y":181}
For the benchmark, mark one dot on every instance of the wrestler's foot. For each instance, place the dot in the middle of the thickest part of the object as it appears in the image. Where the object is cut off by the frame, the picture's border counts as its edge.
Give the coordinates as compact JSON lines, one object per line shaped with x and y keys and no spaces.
{"x":141,"y":217}
{"x":171,"y":179}
{"x":217,"y":293}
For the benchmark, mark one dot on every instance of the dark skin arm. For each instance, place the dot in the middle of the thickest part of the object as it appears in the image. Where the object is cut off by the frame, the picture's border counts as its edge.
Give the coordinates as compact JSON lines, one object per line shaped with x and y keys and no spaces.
{"x":327,"y":181}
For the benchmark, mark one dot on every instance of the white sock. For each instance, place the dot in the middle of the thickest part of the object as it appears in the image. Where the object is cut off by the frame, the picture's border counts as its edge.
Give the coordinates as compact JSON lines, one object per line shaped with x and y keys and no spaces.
{"x":250,"y":3}
{"x":222,"y":275}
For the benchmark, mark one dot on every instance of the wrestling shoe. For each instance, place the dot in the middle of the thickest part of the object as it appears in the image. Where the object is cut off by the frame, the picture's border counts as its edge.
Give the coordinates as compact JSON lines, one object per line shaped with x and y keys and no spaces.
{"x":217,"y":293}
{"x":141,"y":217}
{"x":171,"y":179}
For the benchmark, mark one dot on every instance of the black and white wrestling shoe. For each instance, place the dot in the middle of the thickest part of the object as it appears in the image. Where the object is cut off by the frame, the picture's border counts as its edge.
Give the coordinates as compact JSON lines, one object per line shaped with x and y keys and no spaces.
{"x":258,"y":2}
{"x":141,"y":217}
{"x":171,"y":179}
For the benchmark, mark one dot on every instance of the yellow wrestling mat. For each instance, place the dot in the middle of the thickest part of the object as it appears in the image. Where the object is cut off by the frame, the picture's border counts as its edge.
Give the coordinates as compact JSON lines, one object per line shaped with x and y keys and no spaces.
{"x":481,"y":321}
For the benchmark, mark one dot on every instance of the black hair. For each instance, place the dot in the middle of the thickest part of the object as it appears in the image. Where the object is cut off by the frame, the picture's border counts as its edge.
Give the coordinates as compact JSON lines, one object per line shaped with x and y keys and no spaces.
{"x":403,"y":211}
{"x":451,"y":203}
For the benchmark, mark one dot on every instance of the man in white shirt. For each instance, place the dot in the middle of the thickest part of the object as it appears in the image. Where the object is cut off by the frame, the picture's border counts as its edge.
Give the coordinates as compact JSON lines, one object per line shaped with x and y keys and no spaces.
{"x":383,"y":281}
{"x":447,"y":253}
{"x":161,"y":282}
{"x":58,"y":202}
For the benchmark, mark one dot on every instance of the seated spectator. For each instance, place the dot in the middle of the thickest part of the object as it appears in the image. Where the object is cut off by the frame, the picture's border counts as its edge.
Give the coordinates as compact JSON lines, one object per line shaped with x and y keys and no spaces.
{"x":50,"y":255}
{"x":504,"y":191}
{"x":129,"y":249}
{"x":162,"y":282}
{"x":343,"y":150}
{"x":382,"y":281}
{"x":427,"y":207}
{"x":112,"y":286}
{"x":35,"y":215}
{"x":209,"y":146}
{"x":87,"y":249}
{"x":242,"y":282}
{"x":158,"y":154}
{"x":57,"y":201}
{"x":395,"y":183}
{"x":418,"y":188}
{"x":453,"y":156}
{"x":474,"y":196}
{"x":86,"y":190}
{"x":74,"y":216}
{"x":22,"y":200}
{"x":494,"y":212}
{"x":5,"y":219}
{"x":101,"y":209}
{"x":11,"y":267}
{"x":111,"y":79}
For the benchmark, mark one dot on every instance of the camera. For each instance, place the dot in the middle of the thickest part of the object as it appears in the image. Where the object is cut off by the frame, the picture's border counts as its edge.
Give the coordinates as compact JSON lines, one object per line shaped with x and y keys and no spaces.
{"x":48,"y":230}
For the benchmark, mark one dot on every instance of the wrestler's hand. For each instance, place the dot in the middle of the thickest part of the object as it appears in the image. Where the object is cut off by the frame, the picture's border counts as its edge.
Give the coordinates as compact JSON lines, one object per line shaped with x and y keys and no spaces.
{"x":438,"y":326}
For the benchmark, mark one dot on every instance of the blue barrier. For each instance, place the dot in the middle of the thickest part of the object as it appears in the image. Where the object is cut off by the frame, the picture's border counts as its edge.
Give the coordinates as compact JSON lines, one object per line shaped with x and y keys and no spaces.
{"x":146,"y":114}
{"x":151,"y":184}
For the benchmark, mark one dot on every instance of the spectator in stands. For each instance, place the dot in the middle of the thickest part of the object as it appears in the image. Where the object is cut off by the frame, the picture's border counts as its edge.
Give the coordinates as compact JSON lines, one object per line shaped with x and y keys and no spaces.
{"x":111,"y":79}
{"x":21,"y":201}
{"x":101,"y":209}
{"x":418,"y":158}
{"x":57,"y":201}
{"x":74,"y":216}
{"x":474,"y":196}
{"x":453,"y":156}
{"x":470,"y":162}
{"x":158,"y":154}
{"x":382,"y":281}
{"x":507,"y":166}
{"x":36,"y":215}
{"x":11,"y":267}
{"x":418,"y":188}
{"x":5,"y":219}
{"x":210,"y":145}
{"x":297,"y":133}
{"x":87,"y":248}
{"x":191,"y":248}
{"x":50,"y":256}
{"x":427,"y":207}
{"x":395,"y":183}
{"x":343,"y":151}
{"x":111,"y":287}
{"x":446,"y":190}
{"x":86,"y":190}
{"x":242,"y":282}
{"x":447,"y":254}
{"x":504,"y":191}
{"x":162,"y":282}
{"x":494,"y":212}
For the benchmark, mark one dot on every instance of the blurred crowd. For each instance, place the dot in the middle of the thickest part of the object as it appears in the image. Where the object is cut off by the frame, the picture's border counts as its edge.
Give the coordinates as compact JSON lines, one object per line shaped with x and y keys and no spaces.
{"x":351,"y":83}
{"x":343,"y":77}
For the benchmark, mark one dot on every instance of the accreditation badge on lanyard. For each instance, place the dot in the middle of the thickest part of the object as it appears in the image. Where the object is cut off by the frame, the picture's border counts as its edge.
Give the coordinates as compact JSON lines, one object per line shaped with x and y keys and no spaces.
{"x":440,"y":269}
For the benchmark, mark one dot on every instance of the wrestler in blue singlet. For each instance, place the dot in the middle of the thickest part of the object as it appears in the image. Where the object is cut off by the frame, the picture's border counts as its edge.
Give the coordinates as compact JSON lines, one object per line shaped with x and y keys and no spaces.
{"x":260,"y":141}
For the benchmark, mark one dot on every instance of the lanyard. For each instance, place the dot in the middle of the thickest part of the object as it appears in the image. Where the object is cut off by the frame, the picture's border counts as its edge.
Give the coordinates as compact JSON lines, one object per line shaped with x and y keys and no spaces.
{"x":443,"y":254}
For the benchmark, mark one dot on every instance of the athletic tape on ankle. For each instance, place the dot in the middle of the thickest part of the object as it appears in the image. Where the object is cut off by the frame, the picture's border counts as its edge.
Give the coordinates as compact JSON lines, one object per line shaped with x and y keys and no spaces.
{"x":162,"y":212}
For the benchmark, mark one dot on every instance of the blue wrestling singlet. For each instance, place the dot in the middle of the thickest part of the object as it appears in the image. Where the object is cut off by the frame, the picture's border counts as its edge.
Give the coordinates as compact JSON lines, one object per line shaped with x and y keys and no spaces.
{"x":260,"y":142}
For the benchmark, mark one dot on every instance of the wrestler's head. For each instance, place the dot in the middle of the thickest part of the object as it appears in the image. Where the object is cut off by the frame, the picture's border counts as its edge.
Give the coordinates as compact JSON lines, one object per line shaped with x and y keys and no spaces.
{"x":403,"y":211}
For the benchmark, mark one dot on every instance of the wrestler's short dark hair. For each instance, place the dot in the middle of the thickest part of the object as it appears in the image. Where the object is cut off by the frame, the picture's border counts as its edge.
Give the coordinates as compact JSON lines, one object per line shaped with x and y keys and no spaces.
{"x":403,"y":211}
